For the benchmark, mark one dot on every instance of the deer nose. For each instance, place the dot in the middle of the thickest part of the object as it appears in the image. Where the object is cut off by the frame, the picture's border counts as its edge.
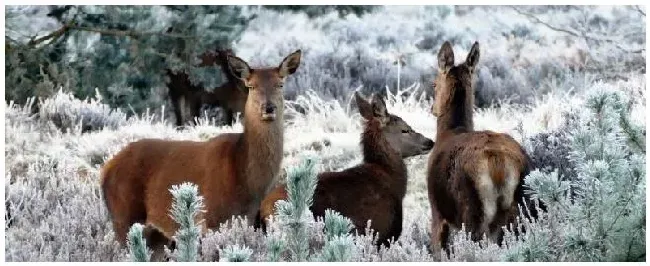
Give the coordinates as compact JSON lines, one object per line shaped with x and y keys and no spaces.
{"x":429,"y":144}
{"x":268,"y":108}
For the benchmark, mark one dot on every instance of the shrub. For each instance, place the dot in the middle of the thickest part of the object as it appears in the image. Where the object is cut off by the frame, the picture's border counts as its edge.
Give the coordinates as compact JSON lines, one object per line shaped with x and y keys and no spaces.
{"x":137,"y":244}
{"x":69,"y":113}
{"x":605,"y":219}
{"x":186,"y":205}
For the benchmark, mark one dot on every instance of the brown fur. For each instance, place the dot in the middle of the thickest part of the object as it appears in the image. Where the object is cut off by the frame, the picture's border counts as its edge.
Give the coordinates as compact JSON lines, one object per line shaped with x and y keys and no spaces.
{"x":188,"y":98}
{"x":233,"y":171}
{"x":373,"y":190}
{"x":462,"y":157}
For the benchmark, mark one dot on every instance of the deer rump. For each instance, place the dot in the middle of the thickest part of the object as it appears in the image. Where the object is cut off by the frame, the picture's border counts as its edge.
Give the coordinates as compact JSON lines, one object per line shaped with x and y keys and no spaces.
{"x":475,"y":178}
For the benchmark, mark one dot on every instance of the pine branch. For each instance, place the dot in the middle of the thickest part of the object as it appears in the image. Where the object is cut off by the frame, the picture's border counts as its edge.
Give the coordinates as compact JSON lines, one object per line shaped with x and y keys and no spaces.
{"x":129,"y":33}
{"x":53,"y":35}
{"x":121,"y":33}
{"x":638,"y":9}
{"x":537,"y":20}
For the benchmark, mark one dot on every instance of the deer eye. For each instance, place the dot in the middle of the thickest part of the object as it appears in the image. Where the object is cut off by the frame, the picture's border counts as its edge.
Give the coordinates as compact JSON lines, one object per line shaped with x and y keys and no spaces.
{"x":405,"y":131}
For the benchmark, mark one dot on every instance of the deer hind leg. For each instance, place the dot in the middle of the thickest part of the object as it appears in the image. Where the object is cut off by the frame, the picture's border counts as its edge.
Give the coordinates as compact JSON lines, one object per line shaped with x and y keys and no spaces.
{"x":157,"y":241}
{"x":124,"y":215}
{"x":122,"y":200}
{"x":488,"y":194}
{"x":507,"y":209}
{"x":439,"y":233}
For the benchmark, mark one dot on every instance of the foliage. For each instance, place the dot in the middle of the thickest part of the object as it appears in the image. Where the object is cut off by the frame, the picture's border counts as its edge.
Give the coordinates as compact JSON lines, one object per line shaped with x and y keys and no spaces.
{"x":605,"y":219}
{"x":339,"y":245}
{"x":236,"y":253}
{"x":69,"y":113}
{"x":320,"y":10}
{"x":123,"y":51}
{"x":294,"y":213}
{"x":54,"y":207}
{"x":186,"y":206}
{"x":137,"y":244}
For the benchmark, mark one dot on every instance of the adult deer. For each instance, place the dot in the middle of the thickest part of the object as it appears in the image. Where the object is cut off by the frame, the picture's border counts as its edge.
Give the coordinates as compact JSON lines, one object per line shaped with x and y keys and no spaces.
{"x":233,"y":171}
{"x":188,"y":98}
{"x":373,"y":190}
{"x":474,"y":177}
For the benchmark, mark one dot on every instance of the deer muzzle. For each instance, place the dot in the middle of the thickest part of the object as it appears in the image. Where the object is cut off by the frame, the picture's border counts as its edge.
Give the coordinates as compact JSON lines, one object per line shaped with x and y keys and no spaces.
{"x":268,"y":111}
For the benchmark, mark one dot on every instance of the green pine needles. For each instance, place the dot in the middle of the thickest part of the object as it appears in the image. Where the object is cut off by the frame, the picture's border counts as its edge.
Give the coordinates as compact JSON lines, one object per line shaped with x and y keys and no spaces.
{"x":186,"y":206}
{"x":294,"y":213}
{"x":137,"y":244}
{"x":339,"y":244}
{"x":603,"y":218}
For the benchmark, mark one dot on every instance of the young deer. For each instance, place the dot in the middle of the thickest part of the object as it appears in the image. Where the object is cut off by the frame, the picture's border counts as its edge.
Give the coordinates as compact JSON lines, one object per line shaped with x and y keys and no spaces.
{"x":233,"y":171}
{"x":187,"y":98}
{"x":231,"y":96}
{"x":474,"y":177}
{"x":374,"y":189}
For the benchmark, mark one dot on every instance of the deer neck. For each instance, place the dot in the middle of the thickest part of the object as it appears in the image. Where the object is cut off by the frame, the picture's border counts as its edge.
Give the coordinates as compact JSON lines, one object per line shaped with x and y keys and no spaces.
{"x":458,"y":114}
{"x":378,"y":151}
{"x":262,"y":144}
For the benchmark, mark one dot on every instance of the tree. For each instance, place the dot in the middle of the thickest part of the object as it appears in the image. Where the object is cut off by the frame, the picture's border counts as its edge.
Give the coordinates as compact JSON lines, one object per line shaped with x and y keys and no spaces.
{"x":121,"y":50}
{"x":600,"y":214}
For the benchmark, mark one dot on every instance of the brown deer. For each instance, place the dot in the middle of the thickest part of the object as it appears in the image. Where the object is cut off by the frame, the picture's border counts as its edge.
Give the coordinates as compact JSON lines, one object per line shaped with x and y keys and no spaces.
{"x":374,"y":189}
{"x":474,"y":177}
{"x":188,"y":98}
{"x":233,"y":171}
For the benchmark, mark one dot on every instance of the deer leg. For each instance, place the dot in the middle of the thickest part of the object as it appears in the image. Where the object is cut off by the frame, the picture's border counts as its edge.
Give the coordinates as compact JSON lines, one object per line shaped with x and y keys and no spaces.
{"x":195,"y":109}
{"x":230,"y":116}
{"x":177,"y":110}
{"x":439,"y":232}
{"x":156,"y":241}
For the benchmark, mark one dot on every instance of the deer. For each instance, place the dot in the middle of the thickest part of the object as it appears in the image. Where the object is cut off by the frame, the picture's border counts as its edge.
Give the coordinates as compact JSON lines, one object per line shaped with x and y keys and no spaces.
{"x":188,"y":98}
{"x":374,"y":189}
{"x":233,"y":171}
{"x":474,"y":178}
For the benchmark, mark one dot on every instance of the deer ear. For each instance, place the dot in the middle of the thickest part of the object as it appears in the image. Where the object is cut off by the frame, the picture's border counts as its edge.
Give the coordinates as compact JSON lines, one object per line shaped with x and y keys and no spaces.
{"x":379,"y":107}
{"x":365,"y":109}
{"x":238,"y":67}
{"x":473,"y":56}
{"x":290,"y":63}
{"x":445,"y":57}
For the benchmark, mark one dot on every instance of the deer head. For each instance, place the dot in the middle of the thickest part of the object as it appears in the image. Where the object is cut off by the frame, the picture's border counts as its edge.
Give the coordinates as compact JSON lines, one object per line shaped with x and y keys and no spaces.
{"x":398,"y":133}
{"x":265,"y":94}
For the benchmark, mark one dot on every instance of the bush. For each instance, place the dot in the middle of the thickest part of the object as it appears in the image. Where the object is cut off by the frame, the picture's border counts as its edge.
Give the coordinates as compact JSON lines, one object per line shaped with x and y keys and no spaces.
{"x":71,"y":114}
{"x":605,"y":219}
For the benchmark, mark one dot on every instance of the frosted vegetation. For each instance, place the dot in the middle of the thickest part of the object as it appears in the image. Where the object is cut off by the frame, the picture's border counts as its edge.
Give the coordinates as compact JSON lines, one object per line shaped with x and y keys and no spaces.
{"x":575,"y":99}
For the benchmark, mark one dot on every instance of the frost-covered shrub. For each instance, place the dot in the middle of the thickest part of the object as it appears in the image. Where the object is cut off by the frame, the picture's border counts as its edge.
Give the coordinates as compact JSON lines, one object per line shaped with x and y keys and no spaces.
{"x":58,"y":215}
{"x":549,"y":151}
{"x":604,"y":220}
{"x":236,"y":253}
{"x":520,"y":58}
{"x":57,"y":212}
{"x":186,"y":205}
{"x":69,"y":113}
{"x":237,"y":231}
{"x":294,"y":214}
{"x":339,"y":245}
{"x":137,"y":244}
